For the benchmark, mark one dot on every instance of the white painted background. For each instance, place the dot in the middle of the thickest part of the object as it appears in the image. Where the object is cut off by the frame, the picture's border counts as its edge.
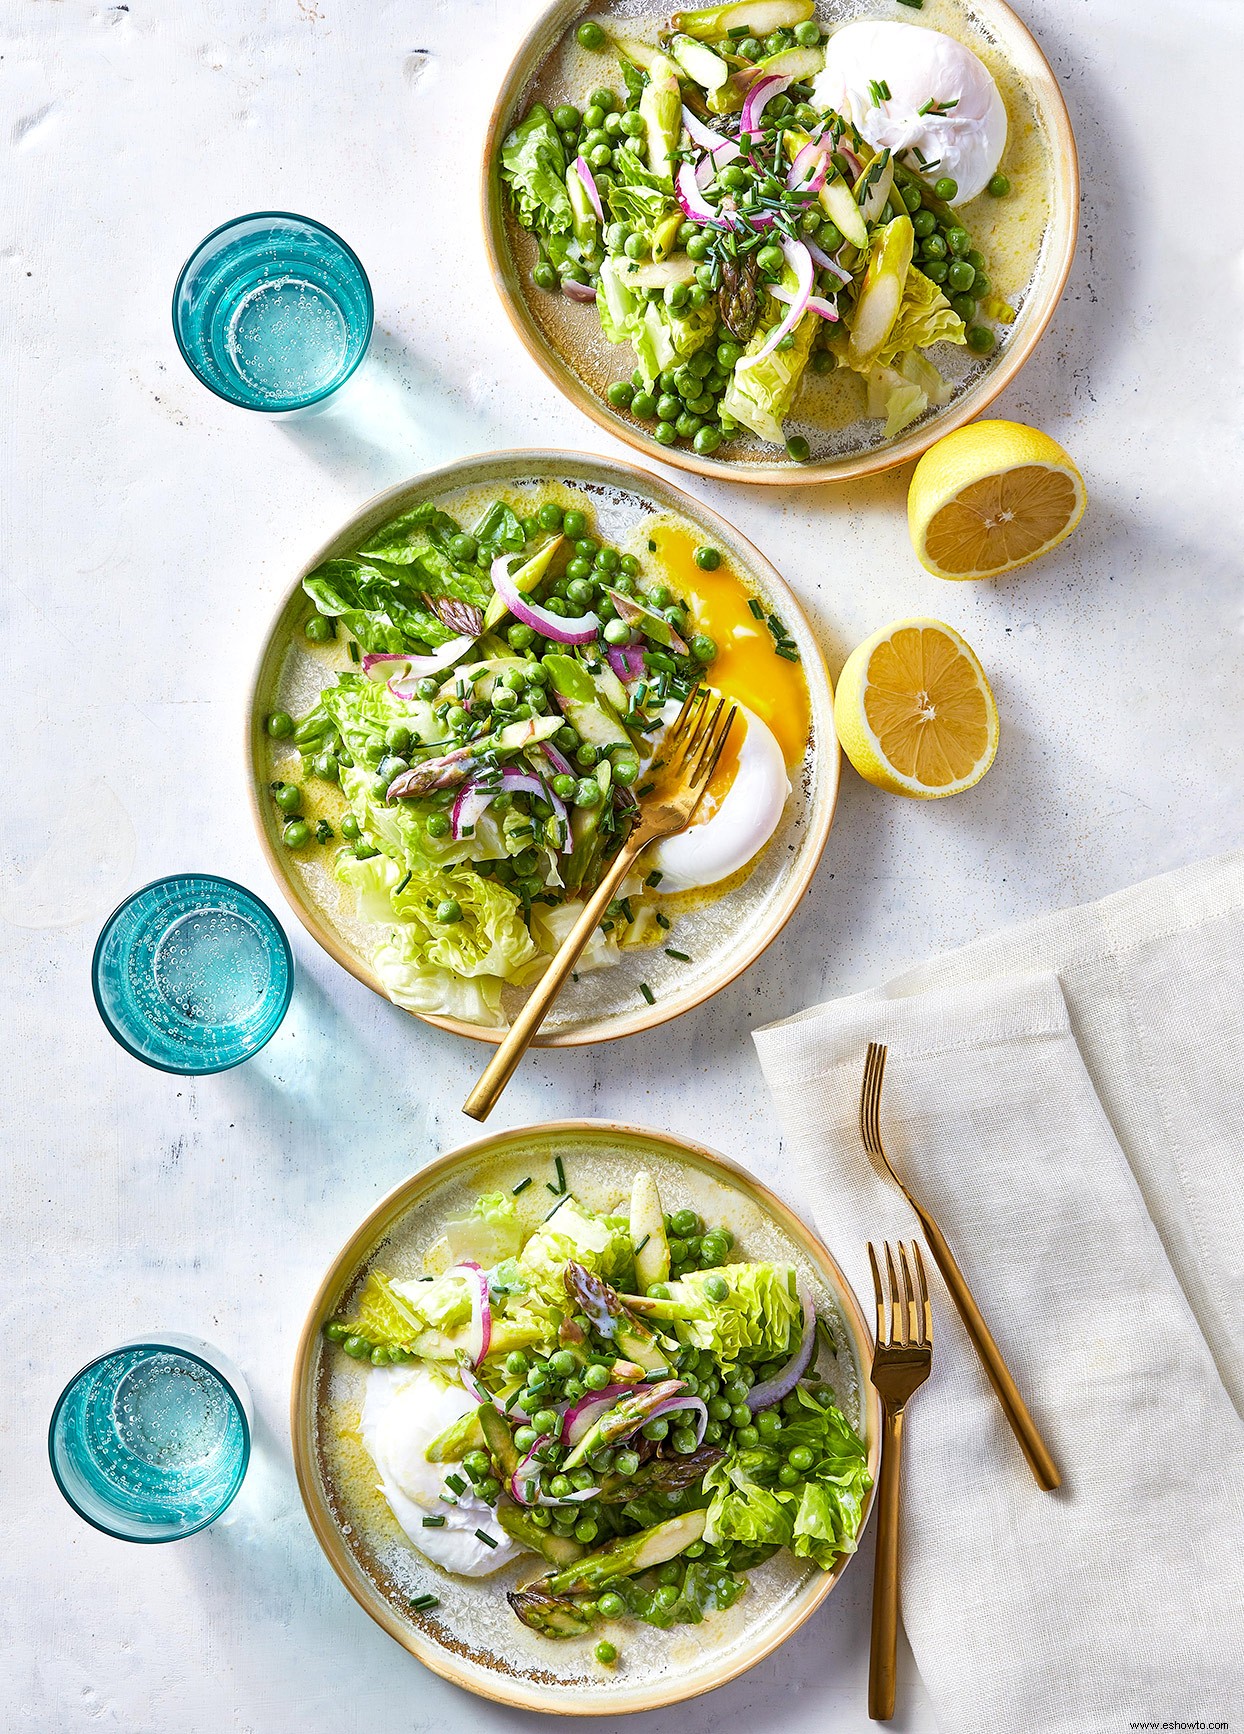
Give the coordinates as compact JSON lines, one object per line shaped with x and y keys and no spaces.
{"x":146,"y":533}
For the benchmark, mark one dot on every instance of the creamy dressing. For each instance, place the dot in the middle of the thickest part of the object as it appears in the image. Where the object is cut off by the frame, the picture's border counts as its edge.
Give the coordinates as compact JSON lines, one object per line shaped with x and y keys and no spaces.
{"x":404,"y":1410}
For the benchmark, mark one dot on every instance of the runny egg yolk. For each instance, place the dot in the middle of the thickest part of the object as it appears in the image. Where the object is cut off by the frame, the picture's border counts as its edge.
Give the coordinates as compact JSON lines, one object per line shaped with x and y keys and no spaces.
{"x":747,"y":666}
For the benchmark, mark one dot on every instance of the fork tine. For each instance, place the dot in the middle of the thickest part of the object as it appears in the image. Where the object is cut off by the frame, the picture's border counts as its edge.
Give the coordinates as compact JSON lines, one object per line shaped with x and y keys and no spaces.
{"x":710,"y":752}
{"x":898,"y":1314}
{"x":870,"y":1097}
{"x":909,"y":1296}
{"x":678,"y":735}
{"x":883,"y":1335}
{"x":926,"y":1311}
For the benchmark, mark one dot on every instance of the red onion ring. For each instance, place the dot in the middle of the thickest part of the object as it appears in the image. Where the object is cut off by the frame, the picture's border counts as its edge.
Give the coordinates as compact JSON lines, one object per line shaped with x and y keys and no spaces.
{"x":696,"y":1404}
{"x":760,"y":94}
{"x":472,"y":799}
{"x":415,"y":667}
{"x":809,"y":154}
{"x":577,"y":291}
{"x":800,"y":261}
{"x":589,"y":186}
{"x":481,"y":1308}
{"x":582,"y":629}
{"x":815,"y":304}
{"x":695,"y":206}
{"x":626,"y":661}
{"x":722,"y":150}
{"x":783,"y":1383}
{"x":589,"y":1409}
{"x":822,"y":258}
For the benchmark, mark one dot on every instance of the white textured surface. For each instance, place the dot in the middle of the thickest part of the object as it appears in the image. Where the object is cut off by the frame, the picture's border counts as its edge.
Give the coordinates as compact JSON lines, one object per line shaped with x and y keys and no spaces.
{"x":148,"y":531}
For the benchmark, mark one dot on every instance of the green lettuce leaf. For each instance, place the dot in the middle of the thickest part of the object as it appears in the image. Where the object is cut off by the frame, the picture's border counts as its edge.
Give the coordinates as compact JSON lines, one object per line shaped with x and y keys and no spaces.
{"x":488,"y":1234}
{"x":638,"y":197}
{"x":661,"y":336}
{"x":925,"y":316}
{"x":601,"y":1245}
{"x":758,"y":1320}
{"x":819,"y":1517}
{"x":360,"y":709}
{"x":704,"y":1589}
{"x":901,"y":392}
{"x":533,"y":165}
{"x":380,"y":602}
{"x":491,"y":939}
{"x":759,"y":396}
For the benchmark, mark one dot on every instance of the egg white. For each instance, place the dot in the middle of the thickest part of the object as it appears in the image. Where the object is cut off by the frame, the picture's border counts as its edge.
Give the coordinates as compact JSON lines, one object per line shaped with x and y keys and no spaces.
{"x":727,"y":838}
{"x":403,"y":1411}
{"x":918,"y":65}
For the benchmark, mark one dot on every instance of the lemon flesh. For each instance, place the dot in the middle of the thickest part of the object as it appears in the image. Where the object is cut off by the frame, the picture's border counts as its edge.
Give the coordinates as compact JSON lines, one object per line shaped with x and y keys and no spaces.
{"x":991,"y":497}
{"x":914,"y":711}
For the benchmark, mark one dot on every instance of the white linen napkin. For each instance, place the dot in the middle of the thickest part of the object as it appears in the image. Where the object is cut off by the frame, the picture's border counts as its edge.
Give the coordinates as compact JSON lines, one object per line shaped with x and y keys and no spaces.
{"x":1065,"y":1098}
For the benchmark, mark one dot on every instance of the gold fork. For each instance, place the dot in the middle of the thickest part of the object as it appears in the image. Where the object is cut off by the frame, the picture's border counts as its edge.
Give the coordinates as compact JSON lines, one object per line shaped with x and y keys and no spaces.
{"x":689,"y":757}
{"x":1013,"y":1407}
{"x":901,"y":1364}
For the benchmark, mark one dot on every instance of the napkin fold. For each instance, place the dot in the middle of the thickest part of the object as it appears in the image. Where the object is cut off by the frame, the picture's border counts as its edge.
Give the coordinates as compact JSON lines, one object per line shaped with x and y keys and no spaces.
{"x":1065,"y":1099}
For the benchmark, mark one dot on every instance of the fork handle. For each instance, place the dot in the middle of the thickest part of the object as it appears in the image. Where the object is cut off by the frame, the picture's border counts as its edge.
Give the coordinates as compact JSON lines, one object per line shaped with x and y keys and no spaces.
{"x":883,"y":1649}
{"x":1014,"y":1408}
{"x":503,"y":1064}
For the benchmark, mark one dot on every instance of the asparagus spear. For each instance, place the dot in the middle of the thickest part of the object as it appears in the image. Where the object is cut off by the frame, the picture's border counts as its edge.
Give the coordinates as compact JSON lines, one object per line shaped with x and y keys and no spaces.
{"x":559,"y":1550}
{"x":547,"y":1614}
{"x":621,"y":1421}
{"x":628,"y":1555}
{"x":636,"y":1338}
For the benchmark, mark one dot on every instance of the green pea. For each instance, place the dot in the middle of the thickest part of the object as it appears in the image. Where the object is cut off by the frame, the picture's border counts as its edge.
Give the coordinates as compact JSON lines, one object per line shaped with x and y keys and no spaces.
{"x":706,"y":440}
{"x":675,"y":294}
{"x":687,"y":425}
{"x":437,"y":825}
{"x":489,"y":1489}
{"x":720,"y":1408}
{"x":595,"y":1377}
{"x":808,"y":34}
{"x":644,"y":405}
{"x":603,"y":99}
{"x":960,"y":275}
{"x":620,"y":393}
{"x":607,"y":560}
{"x":611,"y":1606}
{"x":564,"y":786}
{"x":579,"y":567}
{"x":428,"y":687}
{"x":946,"y":188}
{"x":605,"y":1651}
{"x":684,"y":1441}
{"x":613,"y":125}
{"x":566,"y":117}
{"x":980,"y":339}
{"x":350,"y":828}
{"x":626,"y":1463}
{"x":999,"y":186}
{"x":566,"y":738}
{"x":703,"y":648}
{"x":936,"y":270}
{"x":748,"y":48}
{"x":800,"y":1458}
{"x":544,"y":276}
{"x":593,"y":118}
{"x":319,"y":630}
{"x":697,"y":295}
{"x":665,"y":433}
{"x":633,"y":124}
{"x":581,"y":592}
{"x":464,"y":548}
{"x":288,"y":797}
{"x":582,"y":1479}
{"x":477,"y":1464}
{"x":525,"y":1438}
{"x":587,"y":793}
{"x":747,"y":1438}
{"x":797,"y":448}
{"x":923,"y":222}
{"x":982,"y":286}
{"x":964,"y":306}
{"x":280,"y":725}
{"x":358,"y":1348}
{"x":685,"y":1222}
{"x":546,"y":1421}
{"x":327,"y":768}
{"x":958,"y":240}
{"x":590,"y":34}
{"x":617,"y":632}
{"x":734,"y":177}
{"x":600,"y":156}
{"x":550,"y":516}
{"x":563,"y":1363}
{"x":698,"y":246}
{"x":657,"y":1429}
{"x":933,"y":247}
{"x":771,"y":259}
{"x":768,"y":1424}
{"x":516,"y":1363}
{"x":296,"y":834}
{"x":788,"y":1477}
{"x":574,"y":524}
{"x":669,"y":406}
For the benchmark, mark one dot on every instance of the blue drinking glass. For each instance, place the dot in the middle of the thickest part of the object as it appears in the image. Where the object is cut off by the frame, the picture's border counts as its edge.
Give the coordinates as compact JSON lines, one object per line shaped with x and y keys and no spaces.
{"x":272,"y":311}
{"x":192,"y":974}
{"x":151,"y":1441}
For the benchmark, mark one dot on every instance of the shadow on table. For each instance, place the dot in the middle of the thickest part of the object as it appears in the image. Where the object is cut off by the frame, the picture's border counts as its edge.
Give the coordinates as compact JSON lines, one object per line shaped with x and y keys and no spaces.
{"x":395,"y":417}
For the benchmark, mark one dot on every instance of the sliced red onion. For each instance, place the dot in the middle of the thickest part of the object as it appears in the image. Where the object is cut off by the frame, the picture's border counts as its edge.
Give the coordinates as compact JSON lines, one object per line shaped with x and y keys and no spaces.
{"x":525,"y":1481}
{"x":626,"y":661}
{"x":475,"y":795}
{"x":589,"y":186}
{"x":800,"y":261}
{"x":694,"y":205}
{"x":581,"y":629}
{"x":722,"y":150}
{"x":704,"y":172}
{"x":815,"y":303}
{"x":810,"y":168}
{"x":560,"y":763}
{"x":380,"y":665}
{"x":577,"y":291}
{"x":695,"y":1404}
{"x":783,"y":1383}
{"x":481,"y":1308}
{"x":759,"y":95}
{"x":823,"y":259}
{"x":589,"y":1409}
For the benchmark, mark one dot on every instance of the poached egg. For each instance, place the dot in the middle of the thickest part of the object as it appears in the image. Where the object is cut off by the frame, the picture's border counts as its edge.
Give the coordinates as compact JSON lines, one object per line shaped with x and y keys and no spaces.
{"x":738,"y":814}
{"x":963,"y":135}
{"x":404,"y":1409}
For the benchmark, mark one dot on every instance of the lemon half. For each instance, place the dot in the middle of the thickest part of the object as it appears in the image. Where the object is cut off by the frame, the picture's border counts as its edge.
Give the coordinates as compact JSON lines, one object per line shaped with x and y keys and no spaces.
{"x":990,"y":497}
{"x":914,"y":711}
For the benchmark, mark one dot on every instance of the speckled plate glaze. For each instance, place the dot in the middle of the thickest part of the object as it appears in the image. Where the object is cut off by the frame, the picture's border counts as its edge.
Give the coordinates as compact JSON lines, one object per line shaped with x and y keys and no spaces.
{"x":1029,"y":259}
{"x":723,"y":935}
{"x":472,"y":1637}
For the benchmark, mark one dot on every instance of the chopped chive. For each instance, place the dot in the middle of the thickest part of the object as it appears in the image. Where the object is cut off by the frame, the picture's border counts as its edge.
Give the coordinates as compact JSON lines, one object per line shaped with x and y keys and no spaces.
{"x":678,"y":956}
{"x":647,"y":993}
{"x":521,"y":1187}
{"x":557,"y":1206}
{"x":402,"y":883}
{"x":914,"y":4}
{"x":485,"y":1537}
{"x":353,"y":648}
{"x":663,"y":921}
{"x":556,"y":1191}
{"x":652,"y":547}
{"x":654,"y":878}
{"x":561,"y":1174}
{"x":434,"y":1523}
{"x":456,"y":1482}
{"x":421,"y":1604}
{"x":645,"y":788}
{"x":643,"y":1243}
{"x":756,"y":608}
{"x":656,"y":1375}
{"x":624,"y":904}
{"x":788,"y":651}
